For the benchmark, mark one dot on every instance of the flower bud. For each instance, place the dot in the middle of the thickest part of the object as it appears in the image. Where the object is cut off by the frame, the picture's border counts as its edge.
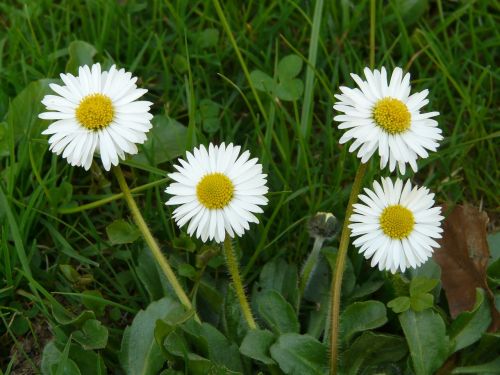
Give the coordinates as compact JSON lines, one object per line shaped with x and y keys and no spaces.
{"x":324,"y":225}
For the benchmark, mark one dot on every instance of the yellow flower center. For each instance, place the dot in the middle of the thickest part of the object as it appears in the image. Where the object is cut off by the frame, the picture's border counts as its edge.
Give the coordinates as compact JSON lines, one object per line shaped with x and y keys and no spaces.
{"x":95,"y":111}
{"x":215,"y":190}
{"x":392,"y":115}
{"x":397,"y":221}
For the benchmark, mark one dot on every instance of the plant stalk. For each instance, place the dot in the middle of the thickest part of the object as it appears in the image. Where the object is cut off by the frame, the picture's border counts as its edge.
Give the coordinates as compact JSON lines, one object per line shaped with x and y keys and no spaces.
{"x":232,"y":265}
{"x":344,"y":239}
{"x":151,"y":242}
{"x":311,"y":261}
{"x":339,"y":271}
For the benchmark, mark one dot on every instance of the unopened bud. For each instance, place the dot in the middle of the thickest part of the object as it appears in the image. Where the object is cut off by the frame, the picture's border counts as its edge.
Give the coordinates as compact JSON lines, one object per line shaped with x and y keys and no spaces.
{"x":323,"y":224}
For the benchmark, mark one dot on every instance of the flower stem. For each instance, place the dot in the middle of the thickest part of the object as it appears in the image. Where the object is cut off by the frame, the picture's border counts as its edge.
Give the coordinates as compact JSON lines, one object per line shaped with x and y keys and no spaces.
{"x":151,"y":242}
{"x":339,"y":271}
{"x":232,"y":265}
{"x":103,"y":201}
{"x":311,"y":261}
{"x":373,"y":11}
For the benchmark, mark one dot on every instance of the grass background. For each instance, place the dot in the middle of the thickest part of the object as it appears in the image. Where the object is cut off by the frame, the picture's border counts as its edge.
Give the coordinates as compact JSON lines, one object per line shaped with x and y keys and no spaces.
{"x":449,"y":47}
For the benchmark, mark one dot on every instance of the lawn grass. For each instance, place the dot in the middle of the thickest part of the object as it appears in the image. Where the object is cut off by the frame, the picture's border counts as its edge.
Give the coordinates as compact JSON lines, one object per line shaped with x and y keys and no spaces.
{"x":451,"y":49}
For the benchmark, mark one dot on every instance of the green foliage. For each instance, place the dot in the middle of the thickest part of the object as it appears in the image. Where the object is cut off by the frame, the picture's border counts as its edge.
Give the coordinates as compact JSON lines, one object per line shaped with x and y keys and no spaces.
{"x":277,"y":313}
{"x":121,"y":232}
{"x":300,"y":354}
{"x":372,"y":349}
{"x":82,"y":292}
{"x":362,"y":316}
{"x":92,"y":336}
{"x":140,"y":353}
{"x":419,"y":298}
{"x":469,"y":326}
{"x":425,"y":334}
{"x":80,"y":53}
{"x":287,"y":87}
{"x":256,"y":345}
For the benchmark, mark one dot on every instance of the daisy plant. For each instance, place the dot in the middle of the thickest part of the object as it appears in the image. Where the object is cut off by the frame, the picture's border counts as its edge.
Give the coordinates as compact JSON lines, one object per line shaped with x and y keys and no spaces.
{"x":382,"y":116}
{"x":396,"y":226}
{"x":98,"y":112}
{"x":218,"y":191}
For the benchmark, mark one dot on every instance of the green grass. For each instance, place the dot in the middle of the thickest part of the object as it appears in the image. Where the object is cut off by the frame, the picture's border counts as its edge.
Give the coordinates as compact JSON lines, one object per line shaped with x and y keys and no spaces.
{"x":451,"y":49}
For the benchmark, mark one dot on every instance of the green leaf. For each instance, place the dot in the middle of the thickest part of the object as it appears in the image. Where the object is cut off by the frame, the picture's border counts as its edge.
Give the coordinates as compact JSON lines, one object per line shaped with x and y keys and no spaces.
{"x":486,"y":368}
{"x":220,"y":350}
{"x":399,"y":304}
{"x":63,"y":319}
{"x":64,"y":365}
{"x":262,"y":82}
{"x":69,"y":273}
{"x":93,"y":300}
{"x":207,"y":38}
{"x":494,"y":246}
{"x":50,"y":356}
{"x":211,"y":125}
{"x":184,"y":242}
{"x":420,"y":285}
{"x":362,"y":316}
{"x":164,"y":327}
{"x":280,"y":276}
{"x":180,"y":64}
{"x":349,"y":279}
{"x":300,"y":354}
{"x":209,"y":342}
{"x":187,"y":270}
{"x":234,"y":323}
{"x":208,"y":115}
{"x":373,"y":349}
{"x":256,"y":345}
{"x":166,"y":140}
{"x":80,"y":53}
{"x":121,"y":231}
{"x":92,"y":336}
{"x":289,"y":67}
{"x":425,"y":334}
{"x":209,"y":108}
{"x":4,"y":144}
{"x":420,"y":302}
{"x":88,"y":361}
{"x":277,"y":312}
{"x":365,"y":289}
{"x":469,"y":326}
{"x":140,"y":354}
{"x":411,"y":10}
{"x":24,"y":109}
{"x":20,"y":325}
{"x":290,"y":90}
{"x":147,"y":271}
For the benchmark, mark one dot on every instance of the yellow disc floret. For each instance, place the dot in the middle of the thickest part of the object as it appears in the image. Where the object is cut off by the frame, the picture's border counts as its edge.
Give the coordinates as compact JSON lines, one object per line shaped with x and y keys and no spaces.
{"x":95,"y":111}
{"x":392,"y":115}
{"x":397,"y":221}
{"x":215,"y":190}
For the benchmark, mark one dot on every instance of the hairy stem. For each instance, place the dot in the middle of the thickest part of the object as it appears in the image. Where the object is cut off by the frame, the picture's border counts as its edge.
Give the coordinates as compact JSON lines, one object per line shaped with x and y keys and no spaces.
{"x":311,"y":261}
{"x":232,"y":265}
{"x":339,"y":271}
{"x":151,"y":242}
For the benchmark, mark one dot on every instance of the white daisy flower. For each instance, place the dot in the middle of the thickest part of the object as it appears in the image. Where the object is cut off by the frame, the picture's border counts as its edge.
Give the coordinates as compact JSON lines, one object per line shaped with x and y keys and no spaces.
{"x":383,"y":115}
{"x":218,"y":191}
{"x":397,"y":225}
{"x":96,"y":111}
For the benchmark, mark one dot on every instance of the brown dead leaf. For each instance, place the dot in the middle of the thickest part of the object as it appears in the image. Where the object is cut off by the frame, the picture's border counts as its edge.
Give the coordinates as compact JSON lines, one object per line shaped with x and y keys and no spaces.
{"x":463,"y":258}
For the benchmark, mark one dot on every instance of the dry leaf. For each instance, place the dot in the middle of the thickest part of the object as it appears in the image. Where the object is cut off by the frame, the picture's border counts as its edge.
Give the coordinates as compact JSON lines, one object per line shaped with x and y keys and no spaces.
{"x":463,"y":258}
